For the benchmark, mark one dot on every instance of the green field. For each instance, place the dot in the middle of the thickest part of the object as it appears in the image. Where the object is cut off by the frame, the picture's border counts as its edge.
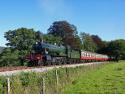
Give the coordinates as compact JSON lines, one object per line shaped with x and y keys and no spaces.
{"x":109,"y":79}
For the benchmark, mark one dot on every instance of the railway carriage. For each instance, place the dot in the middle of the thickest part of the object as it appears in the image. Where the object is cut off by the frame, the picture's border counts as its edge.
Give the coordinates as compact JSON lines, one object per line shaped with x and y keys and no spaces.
{"x":91,"y":57}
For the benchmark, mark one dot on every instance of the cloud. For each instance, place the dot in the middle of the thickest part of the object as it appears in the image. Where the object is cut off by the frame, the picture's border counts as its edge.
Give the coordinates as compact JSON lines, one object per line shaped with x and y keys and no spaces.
{"x":52,"y":7}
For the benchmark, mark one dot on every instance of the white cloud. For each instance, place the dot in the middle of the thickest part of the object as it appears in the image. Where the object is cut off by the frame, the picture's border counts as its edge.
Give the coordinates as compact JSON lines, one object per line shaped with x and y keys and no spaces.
{"x":51,"y":6}
{"x":55,"y":7}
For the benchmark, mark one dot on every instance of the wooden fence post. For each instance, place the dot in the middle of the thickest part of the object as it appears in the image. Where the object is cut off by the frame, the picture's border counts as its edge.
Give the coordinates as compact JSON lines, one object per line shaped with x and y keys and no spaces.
{"x":8,"y":85}
{"x":57,"y":78}
{"x":43,"y":86}
{"x":57,"y":81}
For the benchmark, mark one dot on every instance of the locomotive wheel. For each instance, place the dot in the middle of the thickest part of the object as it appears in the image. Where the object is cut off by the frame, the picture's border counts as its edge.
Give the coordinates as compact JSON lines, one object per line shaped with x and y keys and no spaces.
{"x":40,"y":63}
{"x":32,"y":63}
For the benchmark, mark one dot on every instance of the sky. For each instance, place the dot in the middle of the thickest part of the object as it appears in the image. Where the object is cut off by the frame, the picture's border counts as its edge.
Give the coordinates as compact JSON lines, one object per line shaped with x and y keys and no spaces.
{"x":105,"y":18}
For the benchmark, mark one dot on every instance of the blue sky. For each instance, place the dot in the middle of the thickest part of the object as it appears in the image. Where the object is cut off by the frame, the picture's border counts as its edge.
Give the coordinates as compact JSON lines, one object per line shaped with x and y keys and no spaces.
{"x":105,"y":18}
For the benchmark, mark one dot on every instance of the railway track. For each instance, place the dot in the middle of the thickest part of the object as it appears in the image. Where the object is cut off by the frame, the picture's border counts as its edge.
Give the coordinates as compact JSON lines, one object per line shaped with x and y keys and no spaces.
{"x":8,"y":71}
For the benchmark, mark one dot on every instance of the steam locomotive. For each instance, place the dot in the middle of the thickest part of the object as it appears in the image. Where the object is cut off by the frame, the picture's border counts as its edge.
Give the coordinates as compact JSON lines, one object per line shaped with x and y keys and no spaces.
{"x":52,"y":54}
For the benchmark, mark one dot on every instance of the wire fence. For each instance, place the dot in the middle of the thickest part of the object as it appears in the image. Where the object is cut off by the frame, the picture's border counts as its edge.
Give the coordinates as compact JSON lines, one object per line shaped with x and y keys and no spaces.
{"x":51,"y":82}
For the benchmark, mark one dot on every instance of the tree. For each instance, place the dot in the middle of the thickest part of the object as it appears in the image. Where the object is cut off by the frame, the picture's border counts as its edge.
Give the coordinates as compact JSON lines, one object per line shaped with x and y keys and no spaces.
{"x":66,"y":31}
{"x":52,"y":39}
{"x":104,"y":50}
{"x":101,"y":45}
{"x":9,"y":57}
{"x":98,"y":41}
{"x":39,"y":36}
{"x":20,"y":42}
{"x":21,"y":39}
{"x":1,"y":49}
{"x":116,"y":48}
{"x":87,"y":42}
{"x":77,"y":44}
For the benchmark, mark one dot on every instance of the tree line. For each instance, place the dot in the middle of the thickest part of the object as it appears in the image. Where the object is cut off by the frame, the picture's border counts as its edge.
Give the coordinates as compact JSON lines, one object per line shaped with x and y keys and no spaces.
{"x":20,"y":42}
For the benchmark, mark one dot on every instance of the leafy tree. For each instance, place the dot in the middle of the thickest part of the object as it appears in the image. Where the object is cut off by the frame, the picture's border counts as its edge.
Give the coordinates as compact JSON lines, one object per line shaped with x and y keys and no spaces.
{"x":104,"y":49}
{"x":87,"y":42}
{"x":98,"y":41}
{"x":66,"y":31}
{"x":39,"y":36}
{"x":77,"y":43}
{"x":101,"y":45}
{"x":1,"y":49}
{"x":62,"y":29}
{"x":9,"y":57}
{"x":20,"y":42}
{"x":116,"y":48}
{"x":21,"y":38}
{"x":52,"y":39}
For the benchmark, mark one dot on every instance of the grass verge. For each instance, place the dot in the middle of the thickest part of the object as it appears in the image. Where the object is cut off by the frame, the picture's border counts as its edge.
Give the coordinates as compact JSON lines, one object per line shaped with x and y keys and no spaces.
{"x":94,"y":79}
{"x":108,"y":79}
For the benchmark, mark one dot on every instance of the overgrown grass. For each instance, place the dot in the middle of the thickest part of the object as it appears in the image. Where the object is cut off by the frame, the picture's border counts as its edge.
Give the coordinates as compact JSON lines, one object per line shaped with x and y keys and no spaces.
{"x":3,"y":85}
{"x":109,"y":79}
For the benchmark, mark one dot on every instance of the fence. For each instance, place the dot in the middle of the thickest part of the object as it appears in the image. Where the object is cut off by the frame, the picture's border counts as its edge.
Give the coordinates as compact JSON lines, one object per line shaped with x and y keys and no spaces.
{"x":50,"y":82}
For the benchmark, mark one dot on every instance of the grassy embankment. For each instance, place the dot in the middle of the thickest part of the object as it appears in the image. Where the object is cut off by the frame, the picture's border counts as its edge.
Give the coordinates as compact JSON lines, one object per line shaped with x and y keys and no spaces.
{"x":55,"y":81}
{"x":95,"y":79}
{"x":110,"y":79}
